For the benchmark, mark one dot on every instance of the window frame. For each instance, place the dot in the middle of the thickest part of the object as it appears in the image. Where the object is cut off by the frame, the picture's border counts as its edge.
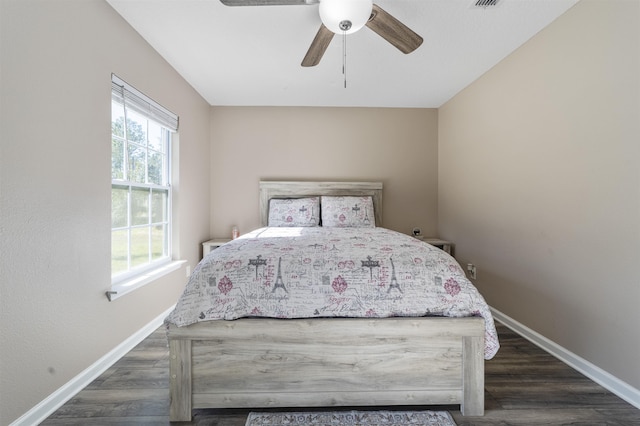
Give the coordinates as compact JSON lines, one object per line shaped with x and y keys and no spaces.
{"x":134,"y":101}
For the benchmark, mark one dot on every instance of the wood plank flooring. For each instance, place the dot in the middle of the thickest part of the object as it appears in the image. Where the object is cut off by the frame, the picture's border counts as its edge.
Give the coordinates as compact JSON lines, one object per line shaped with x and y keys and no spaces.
{"x":523,"y":386}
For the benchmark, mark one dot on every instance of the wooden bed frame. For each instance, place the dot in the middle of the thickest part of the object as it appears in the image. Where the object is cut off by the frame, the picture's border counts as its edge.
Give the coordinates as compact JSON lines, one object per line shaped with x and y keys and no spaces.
{"x":251,"y":363}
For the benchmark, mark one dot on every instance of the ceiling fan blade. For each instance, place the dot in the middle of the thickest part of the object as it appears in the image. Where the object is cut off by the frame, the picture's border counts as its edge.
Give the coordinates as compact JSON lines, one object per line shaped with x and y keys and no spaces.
{"x":268,"y":2}
{"x":394,"y":31}
{"x":318,"y":46}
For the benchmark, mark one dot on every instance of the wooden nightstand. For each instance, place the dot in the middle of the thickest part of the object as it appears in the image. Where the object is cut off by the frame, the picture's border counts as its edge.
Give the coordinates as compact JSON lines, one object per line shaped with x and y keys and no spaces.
{"x":213,"y":244}
{"x":441,"y":244}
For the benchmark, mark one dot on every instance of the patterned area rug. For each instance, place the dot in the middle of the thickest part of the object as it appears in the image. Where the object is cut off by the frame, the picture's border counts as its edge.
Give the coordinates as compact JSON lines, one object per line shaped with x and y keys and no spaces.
{"x":353,"y":418}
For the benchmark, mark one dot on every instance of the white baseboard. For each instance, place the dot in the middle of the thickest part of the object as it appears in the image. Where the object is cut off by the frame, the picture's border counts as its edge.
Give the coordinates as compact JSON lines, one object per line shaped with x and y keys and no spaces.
{"x":54,"y":401}
{"x":595,"y":373}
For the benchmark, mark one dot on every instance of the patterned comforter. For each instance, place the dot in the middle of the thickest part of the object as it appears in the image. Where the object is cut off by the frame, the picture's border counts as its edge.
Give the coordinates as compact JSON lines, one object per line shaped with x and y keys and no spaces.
{"x":330,"y":272}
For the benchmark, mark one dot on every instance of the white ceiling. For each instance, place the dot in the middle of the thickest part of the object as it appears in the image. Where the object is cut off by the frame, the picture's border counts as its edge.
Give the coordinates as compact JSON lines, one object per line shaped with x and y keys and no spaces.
{"x":251,"y":55}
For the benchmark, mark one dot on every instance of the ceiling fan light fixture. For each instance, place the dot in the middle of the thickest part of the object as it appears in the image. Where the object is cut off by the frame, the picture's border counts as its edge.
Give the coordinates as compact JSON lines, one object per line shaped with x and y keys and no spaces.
{"x":337,"y":15}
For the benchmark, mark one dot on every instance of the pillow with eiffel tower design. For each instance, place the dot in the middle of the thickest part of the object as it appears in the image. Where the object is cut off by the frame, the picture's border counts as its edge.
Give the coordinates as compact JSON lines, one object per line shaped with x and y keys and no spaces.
{"x":294,"y":211}
{"x":348,"y":212}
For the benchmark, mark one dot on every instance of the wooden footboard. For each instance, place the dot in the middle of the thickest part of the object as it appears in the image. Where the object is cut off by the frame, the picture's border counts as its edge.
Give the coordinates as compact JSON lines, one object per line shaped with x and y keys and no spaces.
{"x":327,"y":362}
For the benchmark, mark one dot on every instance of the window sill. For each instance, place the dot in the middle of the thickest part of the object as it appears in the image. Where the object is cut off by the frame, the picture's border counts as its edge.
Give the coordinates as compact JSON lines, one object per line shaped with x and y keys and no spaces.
{"x":127,"y":286}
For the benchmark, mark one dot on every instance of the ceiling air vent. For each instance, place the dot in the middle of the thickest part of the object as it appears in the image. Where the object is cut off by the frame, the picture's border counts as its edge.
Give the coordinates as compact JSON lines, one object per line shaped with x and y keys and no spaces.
{"x":486,"y":3}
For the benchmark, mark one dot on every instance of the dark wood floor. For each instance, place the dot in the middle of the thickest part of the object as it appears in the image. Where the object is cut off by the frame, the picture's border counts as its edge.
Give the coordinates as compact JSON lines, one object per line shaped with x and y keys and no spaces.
{"x":523,"y":386}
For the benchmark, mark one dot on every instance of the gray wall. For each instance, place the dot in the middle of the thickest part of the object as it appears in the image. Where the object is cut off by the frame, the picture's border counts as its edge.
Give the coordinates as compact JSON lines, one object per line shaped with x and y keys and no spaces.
{"x":539,"y":183}
{"x":396,"y":146}
{"x":55,"y":192}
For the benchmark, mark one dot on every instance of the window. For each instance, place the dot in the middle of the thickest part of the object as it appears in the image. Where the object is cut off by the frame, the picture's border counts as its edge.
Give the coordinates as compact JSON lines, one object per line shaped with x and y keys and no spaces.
{"x":141,"y":132}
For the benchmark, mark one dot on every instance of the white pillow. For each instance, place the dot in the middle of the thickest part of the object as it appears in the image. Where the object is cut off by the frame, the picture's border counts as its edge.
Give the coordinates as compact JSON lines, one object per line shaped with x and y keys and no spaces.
{"x":294,"y":212}
{"x":348,"y":212}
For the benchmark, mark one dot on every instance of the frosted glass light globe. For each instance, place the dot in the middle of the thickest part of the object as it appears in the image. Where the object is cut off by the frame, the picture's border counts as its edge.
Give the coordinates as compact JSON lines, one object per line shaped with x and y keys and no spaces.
{"x":334,"y":12}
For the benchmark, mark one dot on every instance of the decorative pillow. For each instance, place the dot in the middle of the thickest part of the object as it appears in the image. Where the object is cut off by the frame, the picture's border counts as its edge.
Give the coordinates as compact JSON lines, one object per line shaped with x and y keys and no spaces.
{"x":294,"y":212}
{"x":348,"y":212}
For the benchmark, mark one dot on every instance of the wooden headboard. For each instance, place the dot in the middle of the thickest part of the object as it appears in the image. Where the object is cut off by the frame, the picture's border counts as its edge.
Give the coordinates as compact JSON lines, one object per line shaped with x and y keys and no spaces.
{"x":299,"y":189}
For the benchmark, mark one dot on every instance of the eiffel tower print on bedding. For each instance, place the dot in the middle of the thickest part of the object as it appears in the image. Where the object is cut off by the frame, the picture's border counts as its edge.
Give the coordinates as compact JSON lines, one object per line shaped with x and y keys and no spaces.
{"x":311,"y":272}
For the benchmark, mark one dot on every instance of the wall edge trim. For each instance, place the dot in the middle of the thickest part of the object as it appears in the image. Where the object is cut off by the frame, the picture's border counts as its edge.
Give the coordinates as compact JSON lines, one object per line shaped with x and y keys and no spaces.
{"x":605,"y":379}
{"x":59,"y":397}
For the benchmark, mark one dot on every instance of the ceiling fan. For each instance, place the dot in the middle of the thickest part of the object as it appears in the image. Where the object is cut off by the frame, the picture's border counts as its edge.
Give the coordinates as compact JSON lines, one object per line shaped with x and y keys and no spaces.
{"x":346,"y":17}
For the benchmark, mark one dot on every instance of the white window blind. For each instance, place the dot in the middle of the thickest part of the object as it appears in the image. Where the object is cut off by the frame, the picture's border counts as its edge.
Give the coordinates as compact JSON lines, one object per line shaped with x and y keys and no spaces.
{"x":140,"y":102}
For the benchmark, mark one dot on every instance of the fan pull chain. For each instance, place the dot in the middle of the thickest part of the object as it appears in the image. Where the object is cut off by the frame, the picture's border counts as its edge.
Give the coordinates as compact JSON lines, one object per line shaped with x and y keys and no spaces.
{"x":344,"y":57}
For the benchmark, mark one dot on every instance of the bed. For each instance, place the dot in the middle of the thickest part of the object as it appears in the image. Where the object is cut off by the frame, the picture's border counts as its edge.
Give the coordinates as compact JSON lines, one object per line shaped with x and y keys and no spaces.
{"x":361,"y":335}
